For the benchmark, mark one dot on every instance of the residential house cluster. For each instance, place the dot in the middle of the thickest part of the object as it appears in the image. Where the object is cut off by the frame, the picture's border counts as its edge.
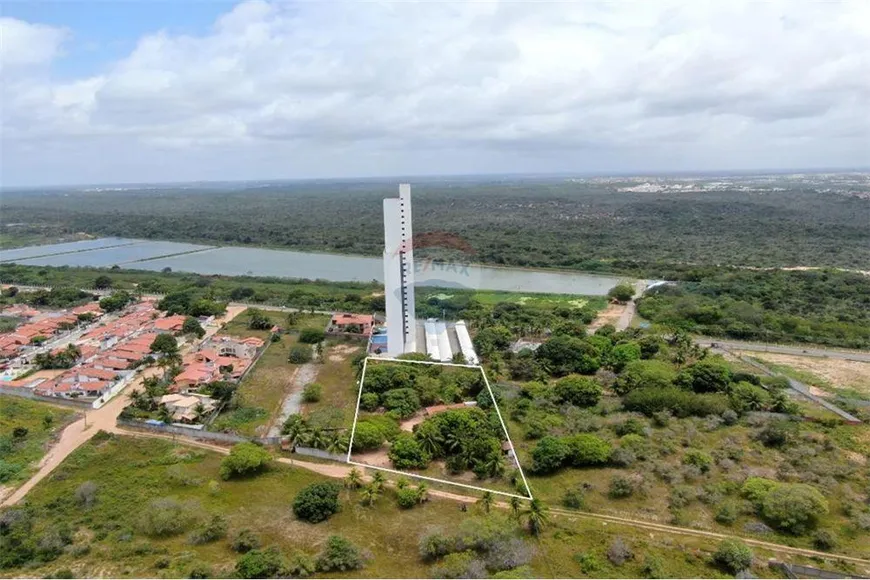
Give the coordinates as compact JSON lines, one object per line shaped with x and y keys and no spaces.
{"x":38,"y":324}
{"x":220,"y":358}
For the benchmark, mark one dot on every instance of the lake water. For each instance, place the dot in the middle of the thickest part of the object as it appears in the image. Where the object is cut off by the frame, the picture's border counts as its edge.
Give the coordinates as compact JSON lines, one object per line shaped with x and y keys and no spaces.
{"x":238,"y":261}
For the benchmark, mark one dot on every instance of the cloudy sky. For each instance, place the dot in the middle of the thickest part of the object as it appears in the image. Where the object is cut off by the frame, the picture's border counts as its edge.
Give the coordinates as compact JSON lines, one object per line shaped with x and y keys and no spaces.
{"x":96,"y":92}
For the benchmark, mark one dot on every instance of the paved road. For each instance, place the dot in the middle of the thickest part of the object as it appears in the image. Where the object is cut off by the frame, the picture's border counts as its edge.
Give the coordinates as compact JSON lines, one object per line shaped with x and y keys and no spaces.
{"x":856,"y":355}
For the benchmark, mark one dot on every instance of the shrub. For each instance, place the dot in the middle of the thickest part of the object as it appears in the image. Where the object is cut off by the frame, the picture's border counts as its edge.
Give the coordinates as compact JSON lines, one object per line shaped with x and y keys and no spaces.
{"x":507,"y":554}
{"x":213,"y":530}
{"x":619,"y":553}
{"x":621,"y":292}
{"x":588,"y":562}
{"x":407,"y":453}
{"x":755,"y":489}
{"x":268,"y":563}
{"x":622,"y":457}
{"x":579,"y":391}
{"x":574,"y":499}
{"x":653,"y":567}
{"x":620,"y":487}
{"x":460,"y":565}
{"x":678,"y":401}
{"x":200,"y":571}
{"x":748,"y":397}
{"x":316,"y":502}
{"x":777,"y":433}
{"x":86,"y":494}
{"x":585,"y":449}
{"x":407,"y":497}
{"x":369,"y":402}
{"x":300,"y":354}
{"x":794,"y":508}
{"x":245,"y":459}
{"x":404,"y":401}
{"x":706,"y":376}
{"x":311,"y":335}
{"x":166,"y":517}
{"x":726,"y":514}
{"x":300,"y":565}
{"x":699,"y":459}
{"x":367,"y":436}
{"x":630,"y":426}
{"x":733,"y":555}
{"x":549,"y":455}
{"x":339,"y":555}
{"x":244,"y":541}
{"x":312,"y":393}
{"x":258,"y":320}
{"x":648,"y":374}
{"x":435,"y":544}
{"x":824,"y":540}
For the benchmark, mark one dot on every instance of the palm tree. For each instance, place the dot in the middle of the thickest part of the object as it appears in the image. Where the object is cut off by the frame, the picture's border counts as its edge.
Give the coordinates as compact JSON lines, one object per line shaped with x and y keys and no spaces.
{"x":378,"y":480}
{"x":515,"y":507}
{"x":337,"y":444}
{"x":422,"y":492}
{"x":429,"y":441}
{"x":353,"y":479}
{"x":494,"y":465}
{"x":402,"y":483}
{"x":370,"y":494}
{"x":536,"y":517}
{"x":486,"y":501}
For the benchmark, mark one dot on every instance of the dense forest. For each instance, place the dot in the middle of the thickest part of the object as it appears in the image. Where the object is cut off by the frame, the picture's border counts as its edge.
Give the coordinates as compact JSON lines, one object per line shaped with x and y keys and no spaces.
{"x":820,"y":307}
{"x":545,"y":223}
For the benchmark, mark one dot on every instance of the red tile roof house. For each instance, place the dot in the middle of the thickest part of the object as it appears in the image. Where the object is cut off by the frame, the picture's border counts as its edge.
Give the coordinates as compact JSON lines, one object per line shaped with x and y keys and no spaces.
{"x":170,"y":323}
{"x":342,"y":320}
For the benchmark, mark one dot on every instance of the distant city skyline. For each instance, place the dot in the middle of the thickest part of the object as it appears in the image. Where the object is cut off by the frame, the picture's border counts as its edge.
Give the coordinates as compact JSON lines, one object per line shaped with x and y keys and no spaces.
{"x":101,"y":92}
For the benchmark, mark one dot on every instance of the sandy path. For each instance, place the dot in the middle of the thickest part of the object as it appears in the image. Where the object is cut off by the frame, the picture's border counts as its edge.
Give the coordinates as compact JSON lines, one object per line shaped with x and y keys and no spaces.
{"x":292,"y":403}
{"x":93,"y":421}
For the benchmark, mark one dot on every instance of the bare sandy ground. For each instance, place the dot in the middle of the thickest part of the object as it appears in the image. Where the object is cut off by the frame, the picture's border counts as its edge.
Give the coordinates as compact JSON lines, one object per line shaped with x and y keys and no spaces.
{"x":609,"y":315}
{"x":841,"y":373}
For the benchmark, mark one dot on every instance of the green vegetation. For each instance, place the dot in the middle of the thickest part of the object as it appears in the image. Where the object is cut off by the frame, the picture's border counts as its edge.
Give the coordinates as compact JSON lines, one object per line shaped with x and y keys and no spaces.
{"x":25,"y":430}
{"x":823,"y":307}
{"x":245,"y":459}
{"x":317,"y":502}
{"x":91,"y":517}
{"x":525,"y":222}
{"x":56,"y":298}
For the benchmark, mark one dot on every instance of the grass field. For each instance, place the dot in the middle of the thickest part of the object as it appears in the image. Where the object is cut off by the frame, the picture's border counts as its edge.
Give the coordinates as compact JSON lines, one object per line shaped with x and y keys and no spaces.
{"x":19,"y":455}
{"x":264,"y":387}
{"x":492,"y":297}
{"x":849,"y":378}
{"x":337,"y":402}
{"x":108,"y":538}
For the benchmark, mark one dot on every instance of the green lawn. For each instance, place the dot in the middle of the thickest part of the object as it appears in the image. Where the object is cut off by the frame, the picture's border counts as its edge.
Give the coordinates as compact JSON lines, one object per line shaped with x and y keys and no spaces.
{"x":19,"y":455}
{"x":107,"y":538}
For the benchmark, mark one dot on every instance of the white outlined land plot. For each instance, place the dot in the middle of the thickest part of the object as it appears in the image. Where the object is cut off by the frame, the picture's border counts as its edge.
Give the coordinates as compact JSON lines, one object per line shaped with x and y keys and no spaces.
{"x":378,"y":459}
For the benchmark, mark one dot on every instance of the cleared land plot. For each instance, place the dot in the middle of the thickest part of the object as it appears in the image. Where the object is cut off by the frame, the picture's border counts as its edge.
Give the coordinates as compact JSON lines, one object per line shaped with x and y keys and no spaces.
{"x":824,"y":373}
{"x":263,"y":389}
{"x":20,"y":451}
{"x":335,"y":375}
{"x":434,"y":421}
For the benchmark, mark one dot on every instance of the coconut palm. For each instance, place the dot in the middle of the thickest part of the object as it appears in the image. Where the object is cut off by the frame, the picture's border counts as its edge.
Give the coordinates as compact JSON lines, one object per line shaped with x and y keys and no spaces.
{"x":378,"y":480}
{"x":354,"y":479}
{"x":486,"y":501}
{"x":422,"y":492}
{"x":370,"y":494}
{"x":402,"y":483}
{"x":515,"y":507}
{"x":536,"y":517}
{"x":494,"y":465}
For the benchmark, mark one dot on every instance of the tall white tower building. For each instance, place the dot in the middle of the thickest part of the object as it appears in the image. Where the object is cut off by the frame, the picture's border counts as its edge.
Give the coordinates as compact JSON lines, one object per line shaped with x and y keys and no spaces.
{"x":399,"y":273}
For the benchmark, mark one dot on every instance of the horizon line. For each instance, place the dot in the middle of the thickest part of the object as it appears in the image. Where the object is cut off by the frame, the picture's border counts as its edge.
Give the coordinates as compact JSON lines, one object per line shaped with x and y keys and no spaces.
{"x":430,"y":176}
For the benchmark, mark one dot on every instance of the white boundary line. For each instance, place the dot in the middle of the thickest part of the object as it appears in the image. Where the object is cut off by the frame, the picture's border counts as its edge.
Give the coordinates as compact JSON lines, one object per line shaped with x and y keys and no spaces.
{"x":435,"y":479}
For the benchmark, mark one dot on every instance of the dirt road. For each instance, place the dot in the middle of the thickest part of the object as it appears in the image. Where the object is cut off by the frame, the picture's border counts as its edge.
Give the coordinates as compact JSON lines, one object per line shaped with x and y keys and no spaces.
{"x":340,"y":471}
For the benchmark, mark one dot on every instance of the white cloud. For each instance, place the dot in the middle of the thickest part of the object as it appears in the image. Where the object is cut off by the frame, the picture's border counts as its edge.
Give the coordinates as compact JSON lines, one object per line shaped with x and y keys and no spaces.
{"x":283,"y":90}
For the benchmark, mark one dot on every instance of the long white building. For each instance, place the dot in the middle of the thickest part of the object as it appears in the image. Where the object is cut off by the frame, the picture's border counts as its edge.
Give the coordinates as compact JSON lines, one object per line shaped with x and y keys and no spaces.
{"x":399,"y":273}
